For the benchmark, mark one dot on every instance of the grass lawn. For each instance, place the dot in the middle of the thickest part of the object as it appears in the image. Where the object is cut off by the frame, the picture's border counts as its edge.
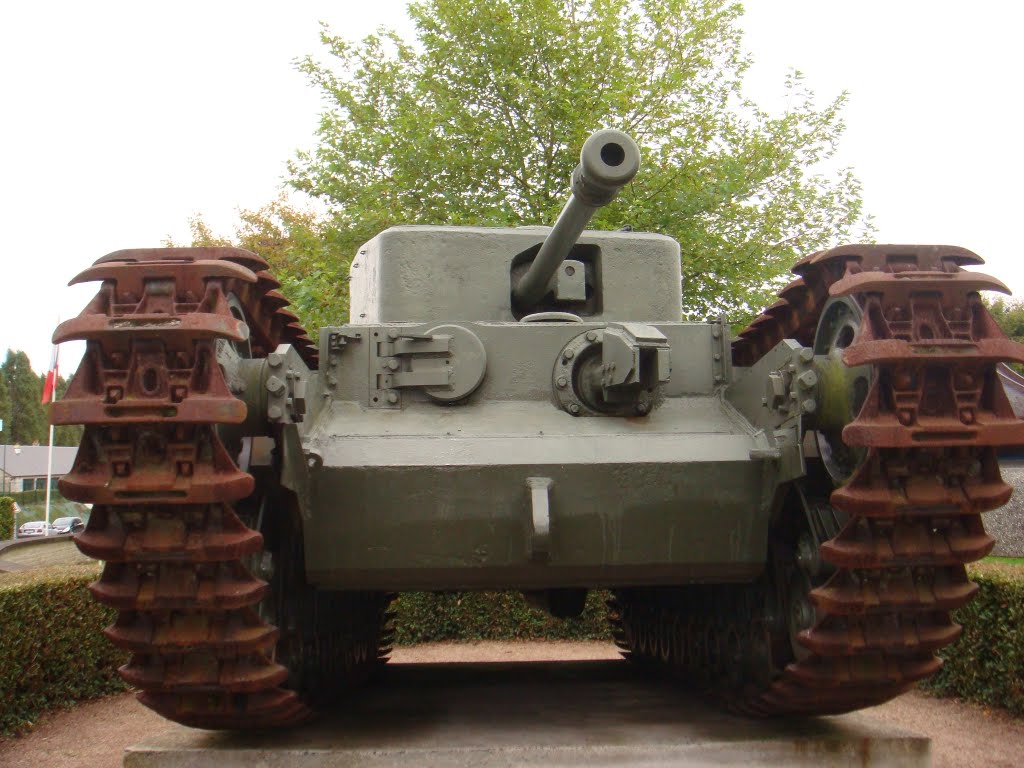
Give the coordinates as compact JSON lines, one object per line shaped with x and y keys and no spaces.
{"x":1006,"y":560}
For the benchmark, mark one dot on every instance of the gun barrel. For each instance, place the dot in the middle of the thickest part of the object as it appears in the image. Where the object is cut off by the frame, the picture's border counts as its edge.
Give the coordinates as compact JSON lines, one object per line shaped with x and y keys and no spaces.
{"x":608,"y":161}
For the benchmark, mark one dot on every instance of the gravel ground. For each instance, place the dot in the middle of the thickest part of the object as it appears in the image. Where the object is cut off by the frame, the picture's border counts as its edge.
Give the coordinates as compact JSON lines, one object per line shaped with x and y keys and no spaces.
{"x":1007,"y":523}
{"x":93,"y":735}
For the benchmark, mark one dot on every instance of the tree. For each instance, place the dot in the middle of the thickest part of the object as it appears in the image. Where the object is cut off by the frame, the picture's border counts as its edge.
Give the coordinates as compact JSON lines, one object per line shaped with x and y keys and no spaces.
{"x":304,"y":253}
{"x":28,"y":420}
{"x":65,"y":434}
{"x":1009,"y":315}
{"x":481,"y":121}
{"x":5,"y":409}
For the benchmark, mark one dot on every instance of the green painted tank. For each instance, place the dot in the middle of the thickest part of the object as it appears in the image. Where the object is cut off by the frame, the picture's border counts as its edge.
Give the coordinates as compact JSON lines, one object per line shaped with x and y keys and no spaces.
{"x":782,"y":518}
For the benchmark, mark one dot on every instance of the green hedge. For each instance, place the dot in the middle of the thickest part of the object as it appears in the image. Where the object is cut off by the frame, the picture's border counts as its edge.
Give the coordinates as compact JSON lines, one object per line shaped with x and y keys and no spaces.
{"x":6,"y":518}
{"x":426,"y":617}
{"x":986,"y":664}
{"x":51,"y":651}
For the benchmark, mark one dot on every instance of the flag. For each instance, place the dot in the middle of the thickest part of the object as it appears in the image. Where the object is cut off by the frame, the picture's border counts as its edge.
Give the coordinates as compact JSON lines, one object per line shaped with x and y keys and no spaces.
{"x":50,"y":383}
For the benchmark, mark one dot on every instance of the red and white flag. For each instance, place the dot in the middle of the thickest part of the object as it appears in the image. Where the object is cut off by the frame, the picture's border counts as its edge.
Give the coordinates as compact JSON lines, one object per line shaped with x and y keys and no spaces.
{"x":50,"y":383}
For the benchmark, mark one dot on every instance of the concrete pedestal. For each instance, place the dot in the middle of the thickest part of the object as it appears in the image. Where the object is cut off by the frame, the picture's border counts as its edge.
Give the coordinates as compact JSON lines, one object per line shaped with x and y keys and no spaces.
{"x":597,"y":713}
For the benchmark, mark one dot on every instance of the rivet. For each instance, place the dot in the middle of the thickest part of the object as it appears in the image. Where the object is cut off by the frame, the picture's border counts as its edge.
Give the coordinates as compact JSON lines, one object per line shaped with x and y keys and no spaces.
{"x":574,"y":409}
{"x":392,"y":335}
{"x":591,"y":336}
{"x":568,"y":355}
{"x":392,"y":397}
{"x":716,"y":332}
{"x":967,"y":415}
{"x":562,"y":382}
{"x":905,"y":417}
{"x":393,"y":365}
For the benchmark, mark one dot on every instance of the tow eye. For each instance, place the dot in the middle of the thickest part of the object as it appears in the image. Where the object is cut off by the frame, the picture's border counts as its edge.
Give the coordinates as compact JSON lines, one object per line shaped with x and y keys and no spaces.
{"x":614,"y":371}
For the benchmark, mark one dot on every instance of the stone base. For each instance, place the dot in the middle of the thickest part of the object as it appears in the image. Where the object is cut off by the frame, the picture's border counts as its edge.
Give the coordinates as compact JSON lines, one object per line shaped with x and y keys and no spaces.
{"x":590,"y":713}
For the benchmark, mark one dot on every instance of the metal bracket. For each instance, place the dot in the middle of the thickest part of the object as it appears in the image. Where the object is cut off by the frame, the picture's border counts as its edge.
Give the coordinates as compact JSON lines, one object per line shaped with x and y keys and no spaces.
{"x":447,"y":362}
{"x":721,"y":354}
{"x":539,"y":540}
{"x":286,"y":380}
{"x":570,"y":281}
{"x":779,"y":389}
{"x":336,"y":343}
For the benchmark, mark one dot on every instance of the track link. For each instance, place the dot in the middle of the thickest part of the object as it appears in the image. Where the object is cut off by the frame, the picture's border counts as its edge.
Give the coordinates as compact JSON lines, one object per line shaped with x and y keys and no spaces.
{"x":151,"y":396}
{"x":931,"y":421}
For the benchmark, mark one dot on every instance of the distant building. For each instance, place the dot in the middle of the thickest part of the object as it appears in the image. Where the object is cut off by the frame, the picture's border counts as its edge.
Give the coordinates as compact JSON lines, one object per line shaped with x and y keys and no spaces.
{"x":23,"y":467}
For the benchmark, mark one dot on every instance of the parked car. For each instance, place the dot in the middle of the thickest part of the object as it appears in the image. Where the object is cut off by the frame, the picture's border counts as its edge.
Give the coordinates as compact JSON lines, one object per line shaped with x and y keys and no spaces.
{"x":32,"y":528}
{"x":67,"y":525}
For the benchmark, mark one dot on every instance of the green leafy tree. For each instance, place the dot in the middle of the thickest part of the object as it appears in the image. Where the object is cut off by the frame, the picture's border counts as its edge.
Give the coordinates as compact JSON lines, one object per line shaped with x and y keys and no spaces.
{"x":25,"y":387}
{"x":308,"y":255}
{"x":5,"y":409}
{"x":1009,"y":314}
{"x":65,"y":434}
{"x":481,"y":120}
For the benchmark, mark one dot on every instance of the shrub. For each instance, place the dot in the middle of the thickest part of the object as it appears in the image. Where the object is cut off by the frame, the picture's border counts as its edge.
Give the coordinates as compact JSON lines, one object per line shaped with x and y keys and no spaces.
{"x":986,"y":664}
{"x":6,"y":518}
{"x":424,"y":617}
{"x":52,"y":652}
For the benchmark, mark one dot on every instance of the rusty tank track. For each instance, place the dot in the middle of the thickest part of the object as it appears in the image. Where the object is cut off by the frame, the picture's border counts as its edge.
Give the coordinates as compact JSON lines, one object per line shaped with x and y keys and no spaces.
{"x":930,"y":423}
{"x":152,"y":396}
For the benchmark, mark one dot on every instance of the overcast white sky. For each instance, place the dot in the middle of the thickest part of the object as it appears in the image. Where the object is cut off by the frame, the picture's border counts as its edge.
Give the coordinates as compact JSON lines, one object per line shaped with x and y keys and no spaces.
{"x":119,"y":120}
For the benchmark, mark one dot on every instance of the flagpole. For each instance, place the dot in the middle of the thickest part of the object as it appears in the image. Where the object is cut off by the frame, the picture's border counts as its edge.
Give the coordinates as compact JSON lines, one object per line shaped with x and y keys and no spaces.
{"x":51,"y":392}
{"x":49,"y":473}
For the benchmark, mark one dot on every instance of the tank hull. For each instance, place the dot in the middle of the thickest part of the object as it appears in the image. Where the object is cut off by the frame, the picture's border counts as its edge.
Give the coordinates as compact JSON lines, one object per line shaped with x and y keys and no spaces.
{"x":439,"y":498}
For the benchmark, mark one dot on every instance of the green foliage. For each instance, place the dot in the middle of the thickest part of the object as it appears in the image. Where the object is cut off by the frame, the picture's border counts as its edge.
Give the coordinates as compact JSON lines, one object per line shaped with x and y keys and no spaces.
{"x":1009,"y":314}
{"x":985,"y":664}
{"x":5,"y":408}
{"x":426,"y":617}
{"x":307,"y":255}
{"x":26,"y":419}
{"x":6,"y":518}
{"x":481,"y":121}
{"x":53,"y":652}
{"x":65,"y":434}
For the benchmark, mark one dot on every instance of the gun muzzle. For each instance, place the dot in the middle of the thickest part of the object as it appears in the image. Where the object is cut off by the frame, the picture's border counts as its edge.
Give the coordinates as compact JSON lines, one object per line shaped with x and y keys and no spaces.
{"x":609,"y":160}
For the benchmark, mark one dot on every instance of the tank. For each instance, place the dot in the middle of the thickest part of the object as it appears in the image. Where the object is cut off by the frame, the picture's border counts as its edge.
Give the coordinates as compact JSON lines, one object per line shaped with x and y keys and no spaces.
{"x":782,"y":517}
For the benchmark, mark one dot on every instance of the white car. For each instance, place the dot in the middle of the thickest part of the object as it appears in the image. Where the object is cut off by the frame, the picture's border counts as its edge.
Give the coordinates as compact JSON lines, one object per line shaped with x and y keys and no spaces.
{"x":33,"y":528}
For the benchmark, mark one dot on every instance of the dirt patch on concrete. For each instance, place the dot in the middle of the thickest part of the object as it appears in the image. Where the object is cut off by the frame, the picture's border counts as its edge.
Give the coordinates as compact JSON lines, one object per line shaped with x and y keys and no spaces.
{"x":95,"y":734}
